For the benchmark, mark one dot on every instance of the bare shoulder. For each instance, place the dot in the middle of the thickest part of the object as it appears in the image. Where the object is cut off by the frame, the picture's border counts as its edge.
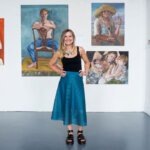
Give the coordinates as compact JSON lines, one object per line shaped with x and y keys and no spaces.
{"x":36,"y":22}
{"x":97,"y":21}
{"x":81,"y":50}
{"x":57,"y":54}
{"x":51,"y":22}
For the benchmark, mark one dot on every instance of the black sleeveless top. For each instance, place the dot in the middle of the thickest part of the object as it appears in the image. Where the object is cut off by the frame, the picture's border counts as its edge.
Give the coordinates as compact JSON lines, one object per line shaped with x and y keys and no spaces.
{"x":72,"y":64}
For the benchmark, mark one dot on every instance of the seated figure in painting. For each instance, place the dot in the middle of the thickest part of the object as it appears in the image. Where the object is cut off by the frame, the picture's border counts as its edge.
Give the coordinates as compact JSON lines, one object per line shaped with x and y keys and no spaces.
{"x":104,"y":28}
{"x":48,"y":25}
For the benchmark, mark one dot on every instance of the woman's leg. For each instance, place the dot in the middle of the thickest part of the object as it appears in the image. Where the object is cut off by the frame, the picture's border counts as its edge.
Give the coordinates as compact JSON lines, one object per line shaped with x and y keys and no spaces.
{"x":80,"y":128}
{"x":69,"y":127}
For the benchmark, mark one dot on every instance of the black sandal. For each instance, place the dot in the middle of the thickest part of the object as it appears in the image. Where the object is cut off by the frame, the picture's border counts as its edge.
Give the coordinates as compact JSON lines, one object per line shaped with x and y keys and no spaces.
{"x":81,"y":137}
{"x":70,"y":137}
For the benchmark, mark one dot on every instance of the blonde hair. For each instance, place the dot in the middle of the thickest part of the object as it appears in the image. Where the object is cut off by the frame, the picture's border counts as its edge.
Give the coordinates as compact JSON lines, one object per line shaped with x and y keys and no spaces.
{"x":110,"y":52}
{"x":62,"y":46}
{"x":97,"y":54}
{"x":110,"y":19}
{"x":124,"y":58}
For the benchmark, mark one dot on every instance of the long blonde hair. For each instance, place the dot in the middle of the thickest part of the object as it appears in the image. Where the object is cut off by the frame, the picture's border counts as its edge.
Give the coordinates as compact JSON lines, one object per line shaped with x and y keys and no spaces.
{"x":110,"y":20}
{"x":110,"y":52}
{"x":62,"y":46}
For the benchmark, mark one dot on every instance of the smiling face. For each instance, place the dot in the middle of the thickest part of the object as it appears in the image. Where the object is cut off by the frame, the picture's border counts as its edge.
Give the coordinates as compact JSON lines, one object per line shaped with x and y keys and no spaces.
{"x":105,"y":13}
{"x":68,"y":38}
{"x":44,"y":15}
{"x":111,"y":58}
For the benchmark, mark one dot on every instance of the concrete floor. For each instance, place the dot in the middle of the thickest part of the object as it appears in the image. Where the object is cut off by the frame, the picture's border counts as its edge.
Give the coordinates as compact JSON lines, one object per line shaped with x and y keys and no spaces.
{"x":105,"y":131}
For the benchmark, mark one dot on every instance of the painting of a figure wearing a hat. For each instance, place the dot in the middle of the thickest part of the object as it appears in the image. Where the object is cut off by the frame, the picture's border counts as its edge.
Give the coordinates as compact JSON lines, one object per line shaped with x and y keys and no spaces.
{"x":108,"y":24}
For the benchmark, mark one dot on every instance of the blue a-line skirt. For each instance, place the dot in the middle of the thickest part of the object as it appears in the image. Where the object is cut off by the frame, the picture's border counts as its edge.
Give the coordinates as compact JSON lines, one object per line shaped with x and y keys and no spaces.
{"x":69,"y":105}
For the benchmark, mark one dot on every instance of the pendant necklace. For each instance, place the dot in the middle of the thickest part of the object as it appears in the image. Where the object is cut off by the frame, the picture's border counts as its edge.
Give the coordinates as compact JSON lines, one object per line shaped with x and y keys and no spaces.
{"x":69,"y":53}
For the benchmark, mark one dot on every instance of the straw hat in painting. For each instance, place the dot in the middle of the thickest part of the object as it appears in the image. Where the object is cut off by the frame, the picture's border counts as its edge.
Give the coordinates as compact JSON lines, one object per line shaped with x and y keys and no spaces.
{"x":102,"y":8}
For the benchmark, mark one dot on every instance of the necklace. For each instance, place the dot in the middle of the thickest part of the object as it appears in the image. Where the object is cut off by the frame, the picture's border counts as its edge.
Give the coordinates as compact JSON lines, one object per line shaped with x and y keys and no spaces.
{"x":68,"y":53}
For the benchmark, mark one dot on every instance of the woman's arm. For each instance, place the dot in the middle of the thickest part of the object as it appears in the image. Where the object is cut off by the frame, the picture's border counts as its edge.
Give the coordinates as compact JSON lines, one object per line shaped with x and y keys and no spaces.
{"x":85,"y":59}
{"x":97,"y":27}
{"x":118,"y":27}
{"x":52,"y":63}
{"x":116,"y":74}
{"x":108,"y":73}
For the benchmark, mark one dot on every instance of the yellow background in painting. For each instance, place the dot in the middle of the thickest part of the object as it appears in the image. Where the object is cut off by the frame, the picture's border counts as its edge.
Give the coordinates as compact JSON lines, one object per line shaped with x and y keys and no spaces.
{"x":42,"y":62}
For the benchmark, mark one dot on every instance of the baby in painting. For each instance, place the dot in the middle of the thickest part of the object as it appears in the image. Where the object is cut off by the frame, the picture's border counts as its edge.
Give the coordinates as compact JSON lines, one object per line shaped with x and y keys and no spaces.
{"x":117,"y":73}
{"x":95,"y":72}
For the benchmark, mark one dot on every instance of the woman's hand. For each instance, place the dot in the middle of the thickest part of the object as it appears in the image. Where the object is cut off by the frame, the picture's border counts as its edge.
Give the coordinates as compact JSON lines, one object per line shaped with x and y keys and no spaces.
{"x":106,"y":38}
{"x":83,"y":73}
{"x":107,"y":76}
{"x":111,"y":39}
{"x":119,"y":20}
{"x":62,"y":73}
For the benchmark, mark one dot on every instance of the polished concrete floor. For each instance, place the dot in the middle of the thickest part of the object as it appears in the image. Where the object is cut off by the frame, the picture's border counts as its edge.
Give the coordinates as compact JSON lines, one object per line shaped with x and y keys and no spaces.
{"x":105,"y":131}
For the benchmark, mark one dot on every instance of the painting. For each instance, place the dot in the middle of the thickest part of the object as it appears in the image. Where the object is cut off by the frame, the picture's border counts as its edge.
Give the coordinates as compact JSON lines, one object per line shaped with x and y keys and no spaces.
{"x":107,"y":67}
{"x":1,"y":41}
{"x":41,"y":27}
{"x":107,"y":24}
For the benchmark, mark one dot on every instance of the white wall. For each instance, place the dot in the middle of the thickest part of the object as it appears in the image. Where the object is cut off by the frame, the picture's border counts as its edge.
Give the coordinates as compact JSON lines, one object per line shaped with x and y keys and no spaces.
{"x":19,"y":93}
{"x":147,"y":102}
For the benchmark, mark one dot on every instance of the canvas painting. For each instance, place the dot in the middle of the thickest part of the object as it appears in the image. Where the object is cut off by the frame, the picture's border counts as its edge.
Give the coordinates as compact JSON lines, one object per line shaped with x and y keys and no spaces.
{"x":107,"y":24}
{"x":108,"y":67}
{"x":41,"y":28}
{"x":1,"y":41}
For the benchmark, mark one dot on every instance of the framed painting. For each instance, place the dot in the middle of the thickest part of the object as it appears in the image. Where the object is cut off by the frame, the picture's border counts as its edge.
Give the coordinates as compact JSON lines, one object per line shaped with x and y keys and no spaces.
{"x":41,"y":26}
{"x":107,"y":24}
{"x":107,"y":67}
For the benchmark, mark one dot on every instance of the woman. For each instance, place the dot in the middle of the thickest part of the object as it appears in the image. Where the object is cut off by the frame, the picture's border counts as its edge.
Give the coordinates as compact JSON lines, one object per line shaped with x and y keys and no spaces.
{"x":104,"y":28}
{"x":69,"y":104}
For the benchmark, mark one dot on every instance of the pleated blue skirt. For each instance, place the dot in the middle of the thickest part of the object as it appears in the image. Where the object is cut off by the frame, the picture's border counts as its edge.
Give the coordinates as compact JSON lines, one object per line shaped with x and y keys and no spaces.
{"x":69,"y":105}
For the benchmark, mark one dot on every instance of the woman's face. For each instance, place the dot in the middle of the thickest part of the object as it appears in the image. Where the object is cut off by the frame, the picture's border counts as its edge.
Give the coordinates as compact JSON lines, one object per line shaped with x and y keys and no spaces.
{"x":111,"y":57}
{"x":68,"y":39}
{"x":105,"y":13}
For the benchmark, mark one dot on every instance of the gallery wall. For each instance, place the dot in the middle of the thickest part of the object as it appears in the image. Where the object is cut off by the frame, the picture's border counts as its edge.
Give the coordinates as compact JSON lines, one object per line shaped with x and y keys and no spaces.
{"x":18,"y":93}
{"x":147,"y":92}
